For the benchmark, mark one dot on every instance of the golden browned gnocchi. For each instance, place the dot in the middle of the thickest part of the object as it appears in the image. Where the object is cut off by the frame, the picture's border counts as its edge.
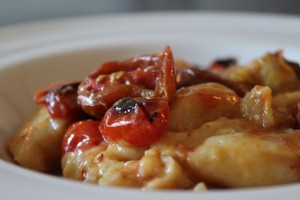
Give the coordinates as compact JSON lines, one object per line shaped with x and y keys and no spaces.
{"x":197,"y":104}
{"x":37,"y":145}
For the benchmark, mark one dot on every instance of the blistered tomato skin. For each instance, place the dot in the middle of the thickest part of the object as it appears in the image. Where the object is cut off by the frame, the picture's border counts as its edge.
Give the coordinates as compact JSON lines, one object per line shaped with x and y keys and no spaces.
{"x":150,"y":76}
{"x":60,"y":100}
{"x":82,"y":135}
{"x":138,"y":121}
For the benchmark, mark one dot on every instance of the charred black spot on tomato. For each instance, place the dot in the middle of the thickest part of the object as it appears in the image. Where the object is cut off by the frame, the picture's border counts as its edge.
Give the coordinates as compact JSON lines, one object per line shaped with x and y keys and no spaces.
{"x":148,"y":115}
{"x":129,"y":105}
{"x":225,"y":62}
{"x":125,"y":105}
{"x":152,"y":117}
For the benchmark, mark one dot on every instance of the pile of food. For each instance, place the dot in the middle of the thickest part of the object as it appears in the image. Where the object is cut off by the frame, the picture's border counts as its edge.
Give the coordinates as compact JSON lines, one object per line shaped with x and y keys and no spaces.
{"x":154,"y":122}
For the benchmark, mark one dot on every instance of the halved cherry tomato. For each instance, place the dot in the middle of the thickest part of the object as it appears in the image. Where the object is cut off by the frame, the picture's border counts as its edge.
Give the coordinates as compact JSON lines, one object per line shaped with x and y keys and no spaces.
{"x":138,"y":121}
{"x":82,"y":135}
{"x":151,"y":76}
{"x":61,"y":100}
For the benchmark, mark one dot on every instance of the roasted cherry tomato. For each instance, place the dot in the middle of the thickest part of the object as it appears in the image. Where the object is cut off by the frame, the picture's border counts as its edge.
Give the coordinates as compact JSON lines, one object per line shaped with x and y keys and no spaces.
{"x":61,"y":100}
{"x":151,"y":76}
{"x":82,"y":135}
{"x":138,"y":121}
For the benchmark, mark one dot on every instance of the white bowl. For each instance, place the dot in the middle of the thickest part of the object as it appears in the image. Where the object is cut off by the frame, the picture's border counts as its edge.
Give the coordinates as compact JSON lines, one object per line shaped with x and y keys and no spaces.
{"x":34,"y":55}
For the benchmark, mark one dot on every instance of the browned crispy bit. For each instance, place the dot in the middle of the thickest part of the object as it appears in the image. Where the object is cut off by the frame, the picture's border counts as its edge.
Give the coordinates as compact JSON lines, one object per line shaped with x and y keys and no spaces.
{"x":222,"y":64}
{"x":295,"y":66}
{"x":191,"y":76}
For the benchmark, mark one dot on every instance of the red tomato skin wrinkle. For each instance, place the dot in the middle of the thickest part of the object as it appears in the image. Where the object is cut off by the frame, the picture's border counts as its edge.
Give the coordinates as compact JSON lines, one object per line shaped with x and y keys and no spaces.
{"x":81,"y":136}
{"x":140,"y":122}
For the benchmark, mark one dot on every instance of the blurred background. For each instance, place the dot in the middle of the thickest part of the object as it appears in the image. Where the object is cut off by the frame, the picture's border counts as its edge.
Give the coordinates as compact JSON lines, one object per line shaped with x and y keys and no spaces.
{"x":22,"y":11}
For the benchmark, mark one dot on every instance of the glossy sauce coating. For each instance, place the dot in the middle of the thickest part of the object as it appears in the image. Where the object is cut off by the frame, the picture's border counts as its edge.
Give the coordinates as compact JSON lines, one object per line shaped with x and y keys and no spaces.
{"x":82,"y":135}
{"x":140,"y":122}
{"x":60,"y":100}
{"x":151,"y":76}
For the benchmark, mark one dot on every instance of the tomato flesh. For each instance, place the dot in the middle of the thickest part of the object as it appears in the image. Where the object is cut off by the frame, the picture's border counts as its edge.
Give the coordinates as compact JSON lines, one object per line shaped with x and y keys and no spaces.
{"x":138,"y":121}
{"x":82,"y":135}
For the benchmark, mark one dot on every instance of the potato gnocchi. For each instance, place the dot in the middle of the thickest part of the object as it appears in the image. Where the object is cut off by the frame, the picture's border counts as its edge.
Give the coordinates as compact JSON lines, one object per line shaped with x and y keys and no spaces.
{"x":154,"y":122}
